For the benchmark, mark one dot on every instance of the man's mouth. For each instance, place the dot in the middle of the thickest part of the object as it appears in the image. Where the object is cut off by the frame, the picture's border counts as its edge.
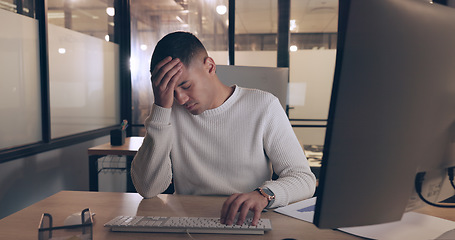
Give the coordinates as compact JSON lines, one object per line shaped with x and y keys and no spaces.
{"x":190,"y":106}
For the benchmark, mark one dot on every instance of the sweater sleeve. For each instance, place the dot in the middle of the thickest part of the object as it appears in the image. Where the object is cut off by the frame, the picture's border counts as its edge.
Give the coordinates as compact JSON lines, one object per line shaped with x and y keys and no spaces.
{"x":151,"y":170}
{"x":296,"y":181}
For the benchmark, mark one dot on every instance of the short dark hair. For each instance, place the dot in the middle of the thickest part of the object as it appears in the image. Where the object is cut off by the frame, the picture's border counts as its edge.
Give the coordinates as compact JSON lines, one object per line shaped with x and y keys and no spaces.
{"x":182,"y":45}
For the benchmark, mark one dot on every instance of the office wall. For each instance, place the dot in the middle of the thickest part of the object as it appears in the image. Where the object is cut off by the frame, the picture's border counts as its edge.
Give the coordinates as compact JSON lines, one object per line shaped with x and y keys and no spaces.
{"x":28,"y":180}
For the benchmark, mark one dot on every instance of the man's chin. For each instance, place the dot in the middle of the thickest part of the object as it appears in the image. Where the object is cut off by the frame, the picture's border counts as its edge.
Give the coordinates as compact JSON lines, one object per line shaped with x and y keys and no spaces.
{"x":195,"y":111}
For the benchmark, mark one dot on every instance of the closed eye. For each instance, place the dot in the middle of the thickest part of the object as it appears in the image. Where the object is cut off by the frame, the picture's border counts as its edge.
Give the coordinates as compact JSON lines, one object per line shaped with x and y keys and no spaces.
{"x":185,"y":85}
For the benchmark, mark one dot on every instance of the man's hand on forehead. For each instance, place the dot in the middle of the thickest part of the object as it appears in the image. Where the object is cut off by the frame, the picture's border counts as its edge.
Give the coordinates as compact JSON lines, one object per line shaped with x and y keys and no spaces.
{"x":164,"y":79}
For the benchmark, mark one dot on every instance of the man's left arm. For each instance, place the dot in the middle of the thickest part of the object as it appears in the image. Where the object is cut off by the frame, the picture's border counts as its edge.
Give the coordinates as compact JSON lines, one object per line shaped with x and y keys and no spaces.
{"x":295,"y":182}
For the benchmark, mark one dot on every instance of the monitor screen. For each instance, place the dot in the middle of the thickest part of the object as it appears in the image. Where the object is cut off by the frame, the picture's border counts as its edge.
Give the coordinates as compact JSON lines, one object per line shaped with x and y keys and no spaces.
{"x":392,"y":111}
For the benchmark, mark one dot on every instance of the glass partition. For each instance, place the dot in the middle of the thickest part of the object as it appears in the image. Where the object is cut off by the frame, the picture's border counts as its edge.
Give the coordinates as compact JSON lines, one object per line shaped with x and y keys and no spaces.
{"x":83,"y":67}
{"x":256,"y":27}
{"x":313,"y":28}
{"x":20,"y":96}
{"x":90,"y":17}
{"x":313,"y":39}
{"x":153,"y":19}
{"x":23,"y":7}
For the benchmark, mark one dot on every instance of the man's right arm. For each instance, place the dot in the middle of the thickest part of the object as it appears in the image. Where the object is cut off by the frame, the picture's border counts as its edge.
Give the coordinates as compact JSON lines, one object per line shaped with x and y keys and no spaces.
{"x":151,"y":169}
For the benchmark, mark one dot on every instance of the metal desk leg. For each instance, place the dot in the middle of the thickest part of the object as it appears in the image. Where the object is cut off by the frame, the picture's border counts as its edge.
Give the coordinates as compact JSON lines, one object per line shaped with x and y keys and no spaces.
{"x":129,"y":183}
{"x":93,"y":172}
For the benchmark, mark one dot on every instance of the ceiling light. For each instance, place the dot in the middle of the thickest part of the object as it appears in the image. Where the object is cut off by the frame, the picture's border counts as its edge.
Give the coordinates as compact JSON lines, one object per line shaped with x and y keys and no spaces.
{"x":221,"y":9}
{"x":61,"y":50}
{"x":180,"y":19}
{"x":293,"y":48}
{"x":143,"y":47}
{"x":107,"y":37}
{"x":53,"y":15}
{"x":110,"y":11}
{"x":292,"y":25}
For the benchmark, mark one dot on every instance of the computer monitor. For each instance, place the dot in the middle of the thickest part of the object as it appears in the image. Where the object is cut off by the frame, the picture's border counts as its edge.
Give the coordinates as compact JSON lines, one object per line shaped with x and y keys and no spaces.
{"x":392,"y":111}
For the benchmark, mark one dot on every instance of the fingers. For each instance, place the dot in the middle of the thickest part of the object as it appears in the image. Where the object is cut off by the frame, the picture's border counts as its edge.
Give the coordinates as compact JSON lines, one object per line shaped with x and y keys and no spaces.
{"x":161,"y":64}
{"x":165,"y":70}
{"x":249,"y":205}
{"x":242,"y":204}
{"x":225,"y":210}
{"x":244,"y":209}
{"x":164,"y":79}
{"x":256,"y":217}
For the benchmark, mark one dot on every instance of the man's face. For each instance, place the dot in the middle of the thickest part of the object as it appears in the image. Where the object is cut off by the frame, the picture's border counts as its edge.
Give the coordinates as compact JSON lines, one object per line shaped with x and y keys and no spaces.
{"x":195,"y":89}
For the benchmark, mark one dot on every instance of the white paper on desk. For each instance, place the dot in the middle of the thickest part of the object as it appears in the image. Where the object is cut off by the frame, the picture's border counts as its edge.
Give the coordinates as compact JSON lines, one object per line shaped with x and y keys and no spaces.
{"x":412,"y":226}
{"x":303,"y":210}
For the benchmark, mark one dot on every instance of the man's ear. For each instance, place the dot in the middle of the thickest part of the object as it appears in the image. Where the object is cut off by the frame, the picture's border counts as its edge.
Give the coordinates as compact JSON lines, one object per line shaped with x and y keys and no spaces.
{"x":210,"y":65}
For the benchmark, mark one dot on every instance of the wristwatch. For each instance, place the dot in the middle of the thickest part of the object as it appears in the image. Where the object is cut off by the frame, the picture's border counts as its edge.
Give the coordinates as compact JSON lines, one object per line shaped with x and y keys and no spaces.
{"x":267,"y":194}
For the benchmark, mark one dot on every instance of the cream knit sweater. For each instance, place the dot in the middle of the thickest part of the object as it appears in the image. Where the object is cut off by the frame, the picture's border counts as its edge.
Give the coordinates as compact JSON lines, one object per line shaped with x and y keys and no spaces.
{"x":226,"y":150}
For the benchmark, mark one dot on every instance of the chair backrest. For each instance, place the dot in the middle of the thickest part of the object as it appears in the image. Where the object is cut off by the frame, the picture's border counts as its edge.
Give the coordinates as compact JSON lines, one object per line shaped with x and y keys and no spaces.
{"x":273,"y":80}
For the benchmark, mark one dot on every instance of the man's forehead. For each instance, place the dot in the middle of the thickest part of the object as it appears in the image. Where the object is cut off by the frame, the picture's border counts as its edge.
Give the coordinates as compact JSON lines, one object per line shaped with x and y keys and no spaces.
{"x":185,"y":75}
{"x":189,"y":70}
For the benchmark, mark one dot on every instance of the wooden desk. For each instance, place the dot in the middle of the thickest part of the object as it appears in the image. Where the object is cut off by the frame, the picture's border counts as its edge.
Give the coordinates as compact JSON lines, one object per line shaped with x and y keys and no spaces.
{"x":107,"y":205}
{"x":129,"y":149}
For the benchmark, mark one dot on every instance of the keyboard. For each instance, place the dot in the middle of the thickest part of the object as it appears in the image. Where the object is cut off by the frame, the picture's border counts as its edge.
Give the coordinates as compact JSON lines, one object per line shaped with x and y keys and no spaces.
{"x":184,"y":225}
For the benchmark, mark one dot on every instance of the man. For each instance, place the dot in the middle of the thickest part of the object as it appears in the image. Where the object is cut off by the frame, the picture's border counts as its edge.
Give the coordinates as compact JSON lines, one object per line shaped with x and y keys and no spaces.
{"x":212,"y":139}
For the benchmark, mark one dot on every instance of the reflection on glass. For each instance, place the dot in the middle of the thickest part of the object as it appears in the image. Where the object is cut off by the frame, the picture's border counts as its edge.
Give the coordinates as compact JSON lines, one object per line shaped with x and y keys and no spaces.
{"x":313,"y":27}
{"x":151,"y":20}
{"x":84,"y":82}
{"x":20,"y":104}
{"x":313,"y":30}
{"x":83,"y":66}
{"x":91,"y":17}
{"x":23,"y":7}
{"x":256,"y":26}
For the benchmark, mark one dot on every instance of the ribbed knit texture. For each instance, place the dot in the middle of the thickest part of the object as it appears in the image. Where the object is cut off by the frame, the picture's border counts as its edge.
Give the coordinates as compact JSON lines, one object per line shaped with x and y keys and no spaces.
{"x":226,"y":150}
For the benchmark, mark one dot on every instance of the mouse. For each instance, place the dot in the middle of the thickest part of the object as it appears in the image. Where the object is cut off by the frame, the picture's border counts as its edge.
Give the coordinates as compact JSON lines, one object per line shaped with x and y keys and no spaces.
{"x":75,"y":219}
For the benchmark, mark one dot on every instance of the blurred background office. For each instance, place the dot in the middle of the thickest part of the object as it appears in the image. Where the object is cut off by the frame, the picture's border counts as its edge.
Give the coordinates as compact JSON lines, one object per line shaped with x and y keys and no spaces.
{"x":72,"y":70}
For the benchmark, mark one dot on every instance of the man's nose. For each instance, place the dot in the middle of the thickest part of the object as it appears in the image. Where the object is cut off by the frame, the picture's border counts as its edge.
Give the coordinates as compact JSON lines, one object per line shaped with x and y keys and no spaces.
{"x":181,"y":98}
